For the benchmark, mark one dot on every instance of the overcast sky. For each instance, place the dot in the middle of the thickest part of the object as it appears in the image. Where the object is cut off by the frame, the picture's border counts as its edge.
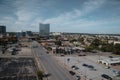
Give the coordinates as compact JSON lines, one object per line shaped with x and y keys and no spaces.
{"x":83,"y":16}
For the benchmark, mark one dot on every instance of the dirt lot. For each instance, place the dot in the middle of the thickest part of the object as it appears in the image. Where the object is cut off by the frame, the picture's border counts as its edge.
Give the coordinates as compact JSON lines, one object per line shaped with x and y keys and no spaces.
{"x":25,"y":52}
{"x":17,"y":69}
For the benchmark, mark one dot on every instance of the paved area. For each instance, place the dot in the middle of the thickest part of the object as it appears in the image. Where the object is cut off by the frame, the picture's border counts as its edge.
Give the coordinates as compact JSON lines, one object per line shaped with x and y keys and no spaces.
{"x":20,"y":66}
{"x":95,"y":58}
{"x":50,"y":65}
{"x":24,"y":52}
{"x":17,"y":69}
{"x":85,"y":71}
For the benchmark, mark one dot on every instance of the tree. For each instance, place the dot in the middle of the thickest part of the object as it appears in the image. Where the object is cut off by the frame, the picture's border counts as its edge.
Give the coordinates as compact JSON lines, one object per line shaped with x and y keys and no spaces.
{"x":116,"y":49}
{"x":38,"y":39}
{"x":96,"y":42}
{"x":81,"y":39}
{"x":12,"y":39}
{"x":56,"y":37}
{"x":58,"y":42}
{"x":107,"y":47}
{"x":73,"y":40}
{"x":89,"y":48}
{"x":40,"y":75}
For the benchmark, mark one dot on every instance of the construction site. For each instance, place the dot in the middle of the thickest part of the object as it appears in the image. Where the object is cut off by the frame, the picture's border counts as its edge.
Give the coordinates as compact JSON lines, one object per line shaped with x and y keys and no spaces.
{"x":17,"y":69}
{"x":20,"y":66}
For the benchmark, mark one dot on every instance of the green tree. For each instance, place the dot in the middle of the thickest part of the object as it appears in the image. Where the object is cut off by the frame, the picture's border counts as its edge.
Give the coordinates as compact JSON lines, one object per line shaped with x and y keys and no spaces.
{"x":81,"y":39}
{"x":56,"y":37}
{"x":96,"y":42}
{"x":116,"y":49}
{"x":58,"y":42}
{"x":73,"y":40}
{"x":107,"y":47}
{"x":40,"y":75}
{"x":89,"y":48}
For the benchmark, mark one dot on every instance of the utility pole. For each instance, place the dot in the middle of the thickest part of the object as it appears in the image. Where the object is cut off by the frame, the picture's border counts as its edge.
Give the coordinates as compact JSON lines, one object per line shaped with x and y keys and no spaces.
{"x":85,"y":74}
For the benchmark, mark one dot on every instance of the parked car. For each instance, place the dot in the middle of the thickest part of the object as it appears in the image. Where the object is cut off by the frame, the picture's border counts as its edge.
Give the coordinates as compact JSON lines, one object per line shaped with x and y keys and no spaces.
{"x":62,"y":55}
{"x":110,"y":56}
{"x":81,"y":55}
{"x":17,"y":49}
{"x":107,"y":67}
{"x":85,"y":65}
{"x":106,"y":76}
{"x":10,"y":50}
{"x":35,"y":46}
{"x":72,"y":73}
{"x":74,"y":67}
{"x":90,"y":66}
{"x":76,"y":77}
{"x":47,"y":52}
{"x":93,"y":69}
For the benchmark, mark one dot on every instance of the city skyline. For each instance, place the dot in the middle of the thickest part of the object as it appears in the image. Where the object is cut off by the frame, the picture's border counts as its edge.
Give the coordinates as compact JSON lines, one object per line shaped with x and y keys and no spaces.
{"x":77,"y":16}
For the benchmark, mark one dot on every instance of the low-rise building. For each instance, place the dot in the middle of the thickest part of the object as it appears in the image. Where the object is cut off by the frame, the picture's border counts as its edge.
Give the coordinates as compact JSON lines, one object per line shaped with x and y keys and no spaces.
{"x":110,"y":61}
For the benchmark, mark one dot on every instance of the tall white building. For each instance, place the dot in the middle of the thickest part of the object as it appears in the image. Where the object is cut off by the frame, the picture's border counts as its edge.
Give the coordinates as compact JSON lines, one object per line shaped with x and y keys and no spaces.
{"x":44,"y":29}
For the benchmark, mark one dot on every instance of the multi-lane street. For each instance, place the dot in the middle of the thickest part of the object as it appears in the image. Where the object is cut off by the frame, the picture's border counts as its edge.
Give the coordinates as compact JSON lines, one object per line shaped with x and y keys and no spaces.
{"x":50,"y":65}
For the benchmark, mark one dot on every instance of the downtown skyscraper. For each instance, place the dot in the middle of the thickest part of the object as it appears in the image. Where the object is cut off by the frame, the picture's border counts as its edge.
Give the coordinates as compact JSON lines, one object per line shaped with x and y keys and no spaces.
{"x":44,"y":29}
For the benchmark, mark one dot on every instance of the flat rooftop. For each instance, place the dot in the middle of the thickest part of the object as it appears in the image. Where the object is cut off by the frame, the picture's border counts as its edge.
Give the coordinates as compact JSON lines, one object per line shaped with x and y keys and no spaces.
{"x":111,"y":60}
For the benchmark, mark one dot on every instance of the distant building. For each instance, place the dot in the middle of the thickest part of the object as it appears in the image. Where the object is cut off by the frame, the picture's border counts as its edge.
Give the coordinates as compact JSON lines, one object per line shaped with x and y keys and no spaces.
{"x":56,"y":33}
{"x":2,"y":30}
{"x":29,"y":33}
{"x":44,"y":29}
{"x":116,"y":42}
{"x":18,"y":34}
{"x":23,"y":34}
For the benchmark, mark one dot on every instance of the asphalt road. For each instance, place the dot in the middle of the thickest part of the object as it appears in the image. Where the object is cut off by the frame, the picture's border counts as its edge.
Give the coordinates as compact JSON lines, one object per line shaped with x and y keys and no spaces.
{"x":50,"y":65}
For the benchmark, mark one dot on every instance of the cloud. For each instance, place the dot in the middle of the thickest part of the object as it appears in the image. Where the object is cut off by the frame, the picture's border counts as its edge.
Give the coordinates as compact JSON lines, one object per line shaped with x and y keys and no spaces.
{"x":23,"y":15}
{"x":27,"y":12}
{"x":75,"y":20}
{"x":8,"y":22}
{"x":90,"y":14}
{"x":69,"y":17}
{"x":90,"y":5}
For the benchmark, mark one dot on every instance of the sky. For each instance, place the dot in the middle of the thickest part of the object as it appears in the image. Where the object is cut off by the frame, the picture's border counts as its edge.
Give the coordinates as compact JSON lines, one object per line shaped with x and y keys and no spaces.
{"x":77,"y":16}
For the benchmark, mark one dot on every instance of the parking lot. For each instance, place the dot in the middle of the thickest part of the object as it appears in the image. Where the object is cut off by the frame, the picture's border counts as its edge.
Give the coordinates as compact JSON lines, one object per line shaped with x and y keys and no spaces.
{"x":87,"y":72}
{"x":17,"y":69}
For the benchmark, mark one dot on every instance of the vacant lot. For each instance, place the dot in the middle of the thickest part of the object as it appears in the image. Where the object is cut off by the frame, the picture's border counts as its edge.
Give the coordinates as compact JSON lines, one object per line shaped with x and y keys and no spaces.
{"x":17,"y":69}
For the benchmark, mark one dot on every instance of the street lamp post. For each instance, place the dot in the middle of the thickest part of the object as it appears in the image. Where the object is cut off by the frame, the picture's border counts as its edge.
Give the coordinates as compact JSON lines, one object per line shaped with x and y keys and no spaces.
{"x":85,"y":74}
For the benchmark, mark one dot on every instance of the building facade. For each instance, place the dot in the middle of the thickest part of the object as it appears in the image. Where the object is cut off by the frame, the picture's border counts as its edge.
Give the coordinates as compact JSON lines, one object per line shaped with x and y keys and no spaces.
{"x":29,"y":33}
{"x":2,"y":30}
{"x":44,"y":29}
